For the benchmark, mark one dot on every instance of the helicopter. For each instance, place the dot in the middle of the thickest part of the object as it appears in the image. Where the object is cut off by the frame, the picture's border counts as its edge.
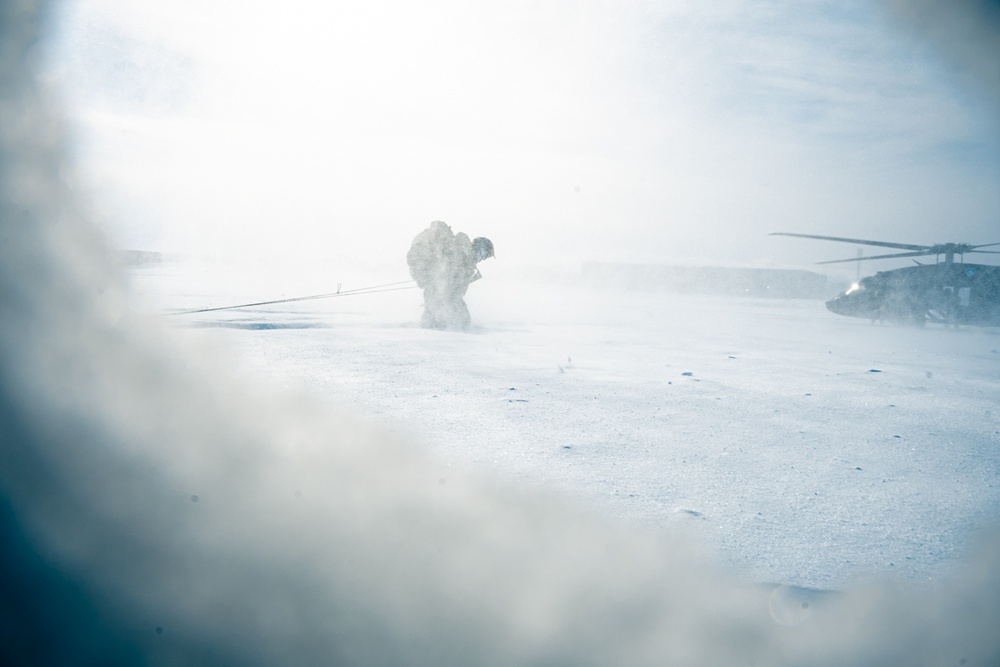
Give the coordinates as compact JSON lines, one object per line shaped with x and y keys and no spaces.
{"x":946,"y":292}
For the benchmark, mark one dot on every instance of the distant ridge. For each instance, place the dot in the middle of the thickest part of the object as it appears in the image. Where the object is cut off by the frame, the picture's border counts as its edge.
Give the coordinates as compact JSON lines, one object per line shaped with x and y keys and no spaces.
{"x":138,"y":257}
{"x":775,"y":283}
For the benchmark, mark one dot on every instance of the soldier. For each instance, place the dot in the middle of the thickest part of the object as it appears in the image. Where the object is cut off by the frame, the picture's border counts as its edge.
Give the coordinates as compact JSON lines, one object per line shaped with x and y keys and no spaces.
{"x":444,"y":264}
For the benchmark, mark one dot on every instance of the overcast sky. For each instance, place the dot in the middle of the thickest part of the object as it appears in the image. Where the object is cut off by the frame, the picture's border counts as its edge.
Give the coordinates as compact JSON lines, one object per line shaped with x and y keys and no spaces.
{"x":564,"y":131}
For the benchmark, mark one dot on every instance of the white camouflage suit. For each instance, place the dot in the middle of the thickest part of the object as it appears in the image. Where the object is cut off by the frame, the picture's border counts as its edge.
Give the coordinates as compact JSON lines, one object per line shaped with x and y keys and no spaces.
{"x":443,"y":264}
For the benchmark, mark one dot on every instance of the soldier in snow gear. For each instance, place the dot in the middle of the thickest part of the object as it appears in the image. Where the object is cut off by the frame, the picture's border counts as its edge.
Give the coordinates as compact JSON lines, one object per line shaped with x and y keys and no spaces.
{"x":444,"y":264}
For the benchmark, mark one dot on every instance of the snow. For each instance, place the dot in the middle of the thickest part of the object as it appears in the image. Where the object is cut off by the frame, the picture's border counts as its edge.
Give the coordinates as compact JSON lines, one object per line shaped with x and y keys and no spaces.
{"x":801,"y":447}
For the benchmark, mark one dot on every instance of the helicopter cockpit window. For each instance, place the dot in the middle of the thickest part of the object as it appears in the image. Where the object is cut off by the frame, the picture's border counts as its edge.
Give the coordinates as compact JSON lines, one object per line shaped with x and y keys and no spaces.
{"x":857,"y":287}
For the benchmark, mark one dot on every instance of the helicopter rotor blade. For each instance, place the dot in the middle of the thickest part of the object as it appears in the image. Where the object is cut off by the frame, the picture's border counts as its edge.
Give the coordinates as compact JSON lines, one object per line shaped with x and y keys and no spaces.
{"x":883,"y":244}
{"x":975,"y":248}
{"x":893,"y":256}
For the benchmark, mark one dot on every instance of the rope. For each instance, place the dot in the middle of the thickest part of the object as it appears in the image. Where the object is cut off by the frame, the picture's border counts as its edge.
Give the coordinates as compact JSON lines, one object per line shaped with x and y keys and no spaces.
{"x":375,"y":289}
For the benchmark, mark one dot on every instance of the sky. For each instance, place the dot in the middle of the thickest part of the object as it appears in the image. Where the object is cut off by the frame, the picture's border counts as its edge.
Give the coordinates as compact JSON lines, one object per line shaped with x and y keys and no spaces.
{"x":675,"y":132}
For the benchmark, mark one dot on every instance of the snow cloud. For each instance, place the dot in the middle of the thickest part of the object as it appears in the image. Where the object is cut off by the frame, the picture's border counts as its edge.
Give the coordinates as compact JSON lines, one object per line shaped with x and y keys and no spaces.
{"x":565,"y":131}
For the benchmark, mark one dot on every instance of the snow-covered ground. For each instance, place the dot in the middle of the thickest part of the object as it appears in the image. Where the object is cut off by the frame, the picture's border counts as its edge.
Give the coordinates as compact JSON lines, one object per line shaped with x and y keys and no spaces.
{"x":802,"y":447}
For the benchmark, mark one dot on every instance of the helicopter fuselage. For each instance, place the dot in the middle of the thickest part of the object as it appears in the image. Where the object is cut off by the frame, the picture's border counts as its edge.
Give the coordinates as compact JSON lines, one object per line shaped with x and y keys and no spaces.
{"x":949,"y":293}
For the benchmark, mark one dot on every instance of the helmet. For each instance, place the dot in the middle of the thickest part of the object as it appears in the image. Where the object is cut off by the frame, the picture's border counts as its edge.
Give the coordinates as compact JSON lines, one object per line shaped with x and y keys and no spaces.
{"x":483,"y":248}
